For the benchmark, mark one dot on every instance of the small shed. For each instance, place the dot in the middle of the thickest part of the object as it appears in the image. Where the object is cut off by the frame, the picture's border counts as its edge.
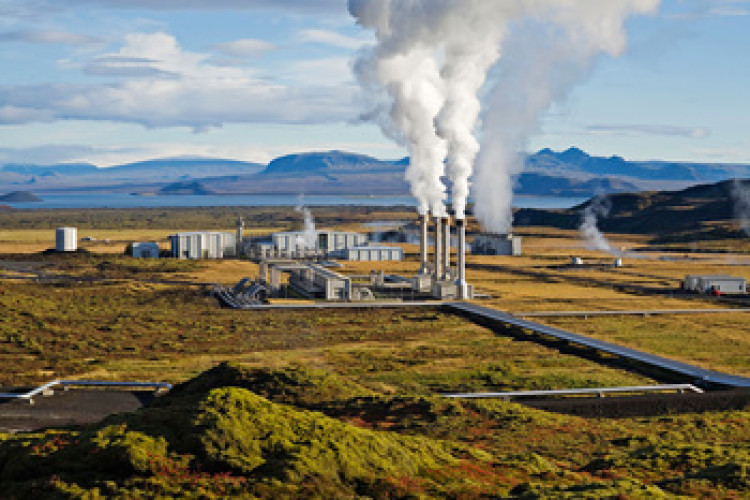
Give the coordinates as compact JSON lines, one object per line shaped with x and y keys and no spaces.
{"x":145,"y":250}
{"x":715,"y":283}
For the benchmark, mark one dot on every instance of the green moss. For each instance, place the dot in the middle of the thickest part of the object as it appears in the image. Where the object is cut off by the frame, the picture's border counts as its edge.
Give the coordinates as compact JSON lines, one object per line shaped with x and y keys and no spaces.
{"x":253,"y":435}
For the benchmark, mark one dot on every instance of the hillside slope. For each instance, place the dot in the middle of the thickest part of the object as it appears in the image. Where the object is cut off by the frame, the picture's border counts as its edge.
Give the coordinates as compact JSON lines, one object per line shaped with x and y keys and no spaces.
{"x":704,"y":211}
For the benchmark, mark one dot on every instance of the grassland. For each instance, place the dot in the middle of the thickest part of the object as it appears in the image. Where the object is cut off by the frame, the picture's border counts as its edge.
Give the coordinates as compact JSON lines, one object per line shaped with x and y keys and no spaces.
{"x":106,"y":316}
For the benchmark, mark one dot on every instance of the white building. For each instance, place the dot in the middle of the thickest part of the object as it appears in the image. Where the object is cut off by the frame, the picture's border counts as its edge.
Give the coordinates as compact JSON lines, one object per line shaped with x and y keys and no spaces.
{"x":715,"y":283}
{"x":66,"y":239}
{"x":496,"y":244}
{"x":370,"y":254}
{"x":295,"y":243}
{"x":145,"y":250}
{"x":203,"y":245}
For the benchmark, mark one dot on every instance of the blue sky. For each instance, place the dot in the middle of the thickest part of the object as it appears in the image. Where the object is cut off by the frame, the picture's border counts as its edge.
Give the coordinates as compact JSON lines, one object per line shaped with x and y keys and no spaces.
{"x":111,"y":81}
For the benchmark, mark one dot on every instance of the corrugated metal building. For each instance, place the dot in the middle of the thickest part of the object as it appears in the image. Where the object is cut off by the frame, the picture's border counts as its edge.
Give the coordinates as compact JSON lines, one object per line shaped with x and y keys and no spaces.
{"x":370,"y":254}
{"x":203,"y":245}
{"x":719,"y":283}
{"x":293,"y":243}
{"x":66,"y":239}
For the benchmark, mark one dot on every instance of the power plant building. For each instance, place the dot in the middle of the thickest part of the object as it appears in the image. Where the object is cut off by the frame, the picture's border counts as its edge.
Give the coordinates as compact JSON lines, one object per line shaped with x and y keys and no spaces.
{"x":370,"y":254}
{"x":203,"y":245}
{"x":66,"y":239}
{"x":496,"y":244}
{"x":295,"y":243}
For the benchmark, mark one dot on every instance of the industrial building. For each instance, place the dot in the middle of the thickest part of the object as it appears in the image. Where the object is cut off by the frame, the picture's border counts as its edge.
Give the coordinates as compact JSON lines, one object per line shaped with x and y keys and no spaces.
{"x":715,"y":284}
{"x":145,"y":250}
{"x":66,"y":239}
{"x":369,"y":254}
{"x":496,"y":244}
{"x":203,"y":245}
{"x":300,"y":244}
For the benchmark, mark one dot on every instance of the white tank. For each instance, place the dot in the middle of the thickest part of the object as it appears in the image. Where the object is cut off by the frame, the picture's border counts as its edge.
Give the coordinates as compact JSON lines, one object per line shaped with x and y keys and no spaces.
{"x":66,"y":239}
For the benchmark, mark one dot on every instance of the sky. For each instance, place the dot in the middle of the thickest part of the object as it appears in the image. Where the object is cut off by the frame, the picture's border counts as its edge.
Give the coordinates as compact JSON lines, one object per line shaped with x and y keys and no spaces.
{"x":115,"y":81}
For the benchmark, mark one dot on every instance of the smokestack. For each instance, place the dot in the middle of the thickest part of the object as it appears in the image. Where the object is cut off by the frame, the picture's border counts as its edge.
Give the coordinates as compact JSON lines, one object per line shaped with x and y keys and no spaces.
{"x":424,"y":266}
{"x":438,"y":248}
{"x":447,"y":247}
{"x":462,"y":288}
{"x":240,"y":228}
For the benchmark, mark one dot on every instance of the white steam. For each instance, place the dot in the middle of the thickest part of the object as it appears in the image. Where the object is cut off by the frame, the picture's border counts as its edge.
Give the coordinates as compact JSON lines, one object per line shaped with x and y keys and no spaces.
{"x":432,"y":62}
{"x":599,"y":207}
{"x":741,"y":196}
{"x":309,"y":238}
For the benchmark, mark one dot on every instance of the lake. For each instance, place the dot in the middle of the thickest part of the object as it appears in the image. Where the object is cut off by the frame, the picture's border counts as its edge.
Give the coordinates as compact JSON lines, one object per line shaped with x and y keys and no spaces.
{"x":124,"y":200}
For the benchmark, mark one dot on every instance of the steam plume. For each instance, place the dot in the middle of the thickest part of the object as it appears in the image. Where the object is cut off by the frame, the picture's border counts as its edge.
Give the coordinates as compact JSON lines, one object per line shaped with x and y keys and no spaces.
{"x":309,"y":234}
{"x":741,"y":195}
{"x":599,"y":207}
{"x":432,"y":59}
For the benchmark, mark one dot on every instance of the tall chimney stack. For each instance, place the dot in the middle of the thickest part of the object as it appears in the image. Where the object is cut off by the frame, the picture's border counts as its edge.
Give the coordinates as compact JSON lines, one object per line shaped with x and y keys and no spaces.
{"x":447,"y":247}
{"x":463,"y":291}
{"x":438,"y":248}
{"x":424,"y":258}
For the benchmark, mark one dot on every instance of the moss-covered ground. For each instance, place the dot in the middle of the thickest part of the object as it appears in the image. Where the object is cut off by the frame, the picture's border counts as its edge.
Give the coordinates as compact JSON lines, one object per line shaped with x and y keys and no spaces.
{"x":346,"y":403}
{"x":243,"y":432}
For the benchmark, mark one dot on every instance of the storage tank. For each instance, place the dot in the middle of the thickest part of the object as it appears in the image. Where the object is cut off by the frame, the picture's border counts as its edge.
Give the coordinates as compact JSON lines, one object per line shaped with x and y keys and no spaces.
{"x":66,"y":239}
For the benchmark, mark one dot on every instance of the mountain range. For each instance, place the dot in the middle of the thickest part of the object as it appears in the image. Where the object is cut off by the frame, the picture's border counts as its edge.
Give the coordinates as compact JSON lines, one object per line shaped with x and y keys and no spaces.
{"x":568,"y":173}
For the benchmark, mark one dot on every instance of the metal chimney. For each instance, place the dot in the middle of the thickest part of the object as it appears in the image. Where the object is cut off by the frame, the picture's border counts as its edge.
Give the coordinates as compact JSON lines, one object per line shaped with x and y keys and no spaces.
{"x":438,"y":248}
{"x":461,"y":283}
{"x":424,"y":258}
{"x":447,"y":248}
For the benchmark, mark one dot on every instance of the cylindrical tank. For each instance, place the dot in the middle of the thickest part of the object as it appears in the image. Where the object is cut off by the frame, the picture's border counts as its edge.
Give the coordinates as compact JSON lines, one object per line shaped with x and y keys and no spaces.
{"x":617,"y":262}
{"x":576,"y":261}
{"x":66,"y":239}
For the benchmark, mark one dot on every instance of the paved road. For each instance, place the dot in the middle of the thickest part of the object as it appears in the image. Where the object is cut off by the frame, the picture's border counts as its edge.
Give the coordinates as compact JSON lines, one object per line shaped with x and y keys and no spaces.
{"x":72,"y":407}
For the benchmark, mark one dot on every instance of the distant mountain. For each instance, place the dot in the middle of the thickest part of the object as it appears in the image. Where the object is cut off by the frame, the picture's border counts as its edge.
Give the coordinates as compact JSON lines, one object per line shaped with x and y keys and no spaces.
{"x":699,"y":212}
{"x":48,"y":170}
{"x":184,"y":167}
{"x":575,"y":161}
{"x":20,"y":197}
{"x":572,"y":172}
{"x":329,"y":162}
{"x":553,"y":185}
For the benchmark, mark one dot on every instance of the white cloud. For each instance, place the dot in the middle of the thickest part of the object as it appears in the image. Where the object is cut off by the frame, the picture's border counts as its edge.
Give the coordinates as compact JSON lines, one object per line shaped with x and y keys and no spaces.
{"x":332,"y":38}
{"x":246,"y":47}
{"x":53,"y":37}
{"x":645,"y":129}
{"x":165,"y":86}
{"x":328,"y":71}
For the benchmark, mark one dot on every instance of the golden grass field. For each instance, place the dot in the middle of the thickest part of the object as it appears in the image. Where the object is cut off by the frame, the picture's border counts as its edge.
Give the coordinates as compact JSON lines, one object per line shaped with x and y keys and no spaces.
{"x":538,"y":281}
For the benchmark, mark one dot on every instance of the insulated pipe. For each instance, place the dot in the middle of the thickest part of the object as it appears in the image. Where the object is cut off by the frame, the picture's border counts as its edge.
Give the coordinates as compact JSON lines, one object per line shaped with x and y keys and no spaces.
{"x":438,"y":249}
{"x":462,"y":287}
{"x":424,"y":258}
{"x":447,"y":247}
